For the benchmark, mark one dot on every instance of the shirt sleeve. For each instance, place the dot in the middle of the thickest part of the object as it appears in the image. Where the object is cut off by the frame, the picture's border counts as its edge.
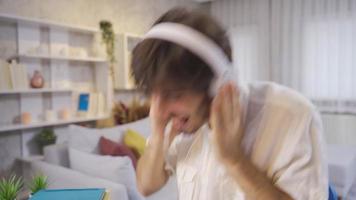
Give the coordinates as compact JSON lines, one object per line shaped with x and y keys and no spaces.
{"x":304,"y":173}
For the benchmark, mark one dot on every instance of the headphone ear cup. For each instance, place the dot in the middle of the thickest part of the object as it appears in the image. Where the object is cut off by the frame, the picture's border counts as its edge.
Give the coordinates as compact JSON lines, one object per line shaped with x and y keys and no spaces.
{"x":219,"y":81}
{"x":228,"y":75}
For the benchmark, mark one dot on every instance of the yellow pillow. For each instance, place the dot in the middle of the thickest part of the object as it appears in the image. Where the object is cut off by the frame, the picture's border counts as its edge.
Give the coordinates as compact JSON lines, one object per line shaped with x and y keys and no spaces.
{"x":135,"y":141}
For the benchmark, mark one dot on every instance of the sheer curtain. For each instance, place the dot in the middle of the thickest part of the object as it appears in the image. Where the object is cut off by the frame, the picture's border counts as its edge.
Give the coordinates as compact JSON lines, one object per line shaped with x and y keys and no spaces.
{"x":308,"y":45}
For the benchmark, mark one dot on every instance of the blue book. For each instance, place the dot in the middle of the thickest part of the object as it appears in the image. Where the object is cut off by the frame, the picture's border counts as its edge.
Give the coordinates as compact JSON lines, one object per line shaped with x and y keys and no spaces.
{"x":83,"y":103}
{"x":70,"y":194}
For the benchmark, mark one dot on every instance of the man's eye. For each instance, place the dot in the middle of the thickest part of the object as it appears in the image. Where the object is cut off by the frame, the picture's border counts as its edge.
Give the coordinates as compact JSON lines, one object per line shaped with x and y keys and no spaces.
{"x":175,"y":96}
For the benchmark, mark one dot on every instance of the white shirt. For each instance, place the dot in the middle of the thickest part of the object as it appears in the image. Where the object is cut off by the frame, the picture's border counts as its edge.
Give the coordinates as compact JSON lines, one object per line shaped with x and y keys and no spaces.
{"x":283,"y":139}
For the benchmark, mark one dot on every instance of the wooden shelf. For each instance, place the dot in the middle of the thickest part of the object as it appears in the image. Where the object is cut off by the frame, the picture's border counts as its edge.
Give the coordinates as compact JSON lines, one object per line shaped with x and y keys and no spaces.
{"x":46,"y":23}
{"x":33,"y":91}
{"x":64,"y":58}
{"x":13,"y":127}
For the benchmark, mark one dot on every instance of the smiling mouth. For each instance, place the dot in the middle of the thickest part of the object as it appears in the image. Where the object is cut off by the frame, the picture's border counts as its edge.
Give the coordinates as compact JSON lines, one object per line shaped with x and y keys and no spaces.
{"x":182,"y":122}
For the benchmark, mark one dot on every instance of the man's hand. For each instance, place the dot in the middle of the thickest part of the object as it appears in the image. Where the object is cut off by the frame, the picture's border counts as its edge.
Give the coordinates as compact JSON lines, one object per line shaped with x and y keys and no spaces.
{"x":151,"y":175}
{"x":159,"y":120}
{"x":227,"y":130}
{"x":225,"y":119}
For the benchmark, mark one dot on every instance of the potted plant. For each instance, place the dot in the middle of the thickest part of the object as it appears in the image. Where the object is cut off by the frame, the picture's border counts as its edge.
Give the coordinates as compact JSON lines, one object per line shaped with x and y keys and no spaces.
{"x":46,"y":137}
{"x":38,"y":183}
{"x":108,"y":38}
{"x":9,"y":188}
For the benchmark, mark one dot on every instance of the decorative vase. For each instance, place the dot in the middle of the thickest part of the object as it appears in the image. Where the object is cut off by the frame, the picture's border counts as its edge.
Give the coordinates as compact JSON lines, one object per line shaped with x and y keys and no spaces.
{"x":37,"y":80}
{"x":64,"y":114}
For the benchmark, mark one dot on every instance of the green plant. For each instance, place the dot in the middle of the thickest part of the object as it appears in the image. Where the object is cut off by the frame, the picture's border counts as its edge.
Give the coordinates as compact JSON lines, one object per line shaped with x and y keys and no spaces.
{"x":108,"y":38}
{"x":46,"y":137}
{"x":9,"y":188}
{"x":38,"y":183}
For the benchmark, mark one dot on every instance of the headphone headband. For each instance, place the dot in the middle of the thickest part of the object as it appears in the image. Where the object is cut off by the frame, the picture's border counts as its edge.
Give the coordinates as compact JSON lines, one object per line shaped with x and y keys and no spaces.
{"x":200,"y":45}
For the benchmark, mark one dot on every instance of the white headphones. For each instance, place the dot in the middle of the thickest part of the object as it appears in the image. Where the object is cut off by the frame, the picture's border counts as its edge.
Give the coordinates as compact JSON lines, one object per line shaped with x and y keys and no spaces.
{"x":200,"y":45}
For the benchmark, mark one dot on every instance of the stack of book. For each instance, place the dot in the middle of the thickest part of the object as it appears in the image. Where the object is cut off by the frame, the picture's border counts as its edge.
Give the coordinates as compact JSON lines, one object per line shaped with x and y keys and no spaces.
{"x":72,"y":194}
{"x":13,"y":76}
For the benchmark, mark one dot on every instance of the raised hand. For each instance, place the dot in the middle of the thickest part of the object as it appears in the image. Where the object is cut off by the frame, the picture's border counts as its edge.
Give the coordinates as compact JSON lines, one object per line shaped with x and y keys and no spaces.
{"x":225,"y":120}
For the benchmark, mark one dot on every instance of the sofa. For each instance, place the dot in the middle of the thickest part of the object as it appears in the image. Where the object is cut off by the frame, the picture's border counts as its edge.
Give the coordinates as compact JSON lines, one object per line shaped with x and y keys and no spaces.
{"x":56,"y":165}
{"x":76,"y":163}
{"x":342,"y":168}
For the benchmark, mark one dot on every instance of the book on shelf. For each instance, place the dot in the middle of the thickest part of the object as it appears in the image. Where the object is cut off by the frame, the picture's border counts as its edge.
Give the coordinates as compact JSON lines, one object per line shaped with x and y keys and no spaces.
{"x":93,"y":104}
{"x":72,"y":194}
{"x":83,"y":104}
{"x":101,"y":104}
{"x":5,"y":79}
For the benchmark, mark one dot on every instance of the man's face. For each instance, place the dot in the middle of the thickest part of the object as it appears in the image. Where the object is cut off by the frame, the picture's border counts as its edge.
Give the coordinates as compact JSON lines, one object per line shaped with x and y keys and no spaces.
{"x":188,"y":110}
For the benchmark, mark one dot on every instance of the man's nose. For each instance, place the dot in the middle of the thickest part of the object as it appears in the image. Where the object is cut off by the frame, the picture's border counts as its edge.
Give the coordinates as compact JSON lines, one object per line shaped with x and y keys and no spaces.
{"x":171,"y":109}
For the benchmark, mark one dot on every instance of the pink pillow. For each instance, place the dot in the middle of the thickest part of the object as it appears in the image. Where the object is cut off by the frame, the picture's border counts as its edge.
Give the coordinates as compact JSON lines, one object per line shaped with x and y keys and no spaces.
{"x":108,"y":147}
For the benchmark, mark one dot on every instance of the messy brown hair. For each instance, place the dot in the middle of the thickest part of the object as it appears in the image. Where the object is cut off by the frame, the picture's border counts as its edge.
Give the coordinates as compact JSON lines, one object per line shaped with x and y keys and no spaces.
{"x":165,"y":65}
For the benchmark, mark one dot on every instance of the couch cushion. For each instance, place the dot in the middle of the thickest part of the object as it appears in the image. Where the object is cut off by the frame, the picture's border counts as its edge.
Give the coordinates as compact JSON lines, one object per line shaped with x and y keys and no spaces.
{"x":111,"y":148}
{"x":116,"y":169}
{"x":87,"y":139}
{"x":342,"y":165}
{"x":135,"y":141}
{"x":57,"y":154}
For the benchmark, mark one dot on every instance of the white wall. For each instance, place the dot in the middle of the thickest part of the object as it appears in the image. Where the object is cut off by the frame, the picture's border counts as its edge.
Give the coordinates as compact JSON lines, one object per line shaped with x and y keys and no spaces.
{"x":133,"y":16}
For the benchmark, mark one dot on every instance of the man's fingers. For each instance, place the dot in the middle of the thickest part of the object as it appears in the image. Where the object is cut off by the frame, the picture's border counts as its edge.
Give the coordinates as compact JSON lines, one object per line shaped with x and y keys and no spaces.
{"x":218,"y":113}
{"x":215,"y":110}
{"x":226,"y":109}
{"x":231,"y":103}
{"x":227,"y":102}
{"x":158,"y":116}
{"x":235,"y":102}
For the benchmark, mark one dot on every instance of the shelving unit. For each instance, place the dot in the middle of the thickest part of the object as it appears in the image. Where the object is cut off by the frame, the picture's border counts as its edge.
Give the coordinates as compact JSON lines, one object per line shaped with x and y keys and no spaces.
{"x":13,"y":127}
{"x":71,"y":61}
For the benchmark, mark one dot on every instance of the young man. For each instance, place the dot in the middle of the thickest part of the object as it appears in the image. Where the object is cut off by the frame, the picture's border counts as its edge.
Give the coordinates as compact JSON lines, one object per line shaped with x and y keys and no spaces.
{"x":262,"y":141}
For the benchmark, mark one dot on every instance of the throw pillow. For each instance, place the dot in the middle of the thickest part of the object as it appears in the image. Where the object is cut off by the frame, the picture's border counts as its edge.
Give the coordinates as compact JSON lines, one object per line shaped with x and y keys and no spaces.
{"x":111,"y":148}
{"x":135,"y":141}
